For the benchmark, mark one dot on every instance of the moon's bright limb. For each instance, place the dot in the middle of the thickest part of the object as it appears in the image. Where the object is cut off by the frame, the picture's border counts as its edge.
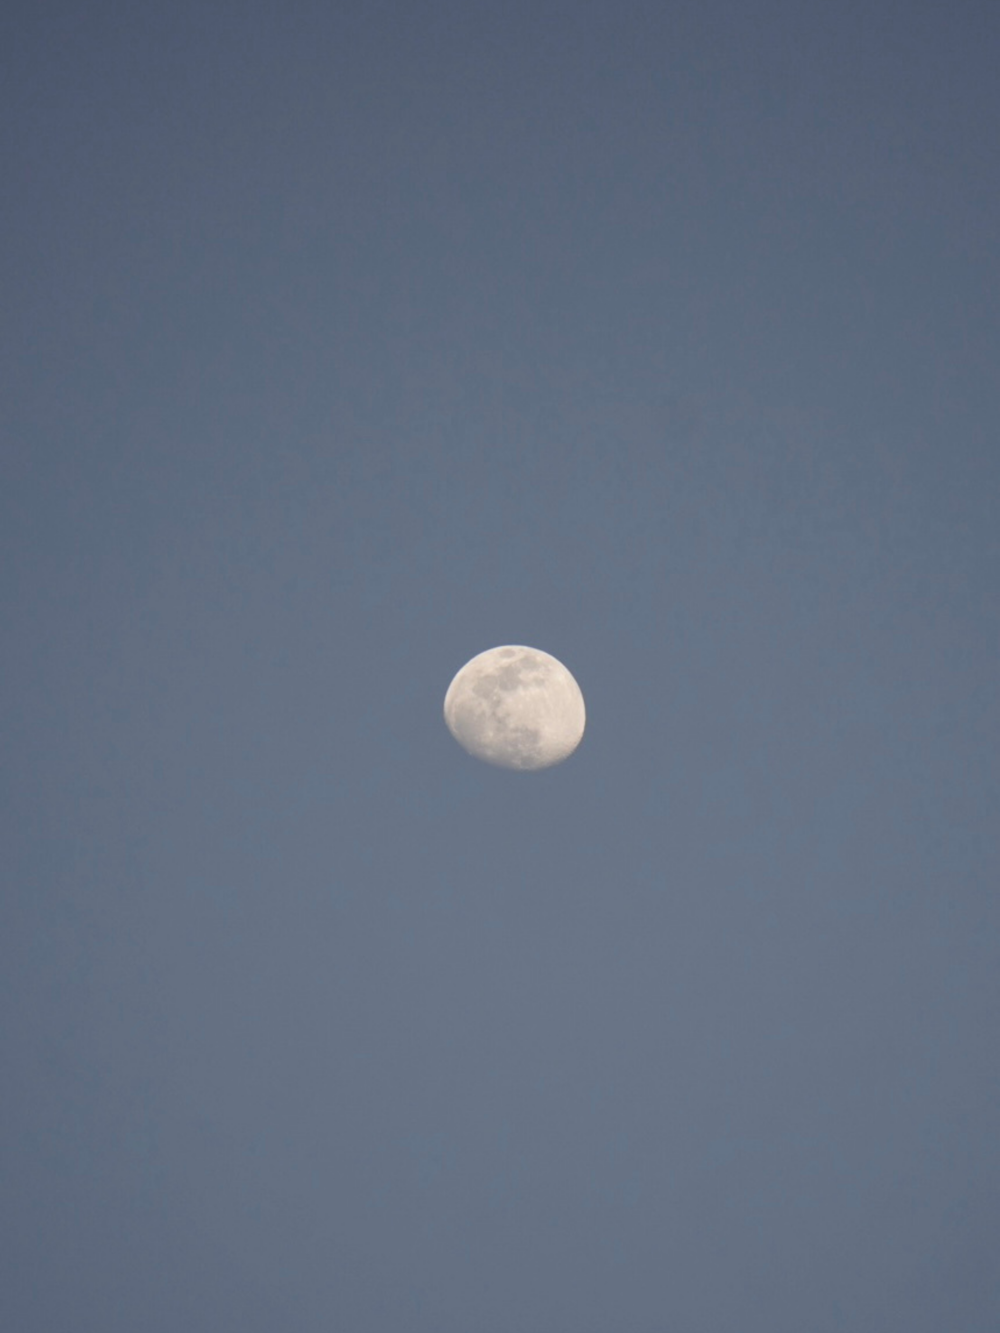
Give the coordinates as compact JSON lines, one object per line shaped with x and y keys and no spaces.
{"x":517,"y":707}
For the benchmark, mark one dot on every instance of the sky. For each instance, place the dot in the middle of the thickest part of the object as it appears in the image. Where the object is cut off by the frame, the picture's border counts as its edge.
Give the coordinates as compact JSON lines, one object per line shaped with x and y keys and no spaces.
{"x":340,"y":343}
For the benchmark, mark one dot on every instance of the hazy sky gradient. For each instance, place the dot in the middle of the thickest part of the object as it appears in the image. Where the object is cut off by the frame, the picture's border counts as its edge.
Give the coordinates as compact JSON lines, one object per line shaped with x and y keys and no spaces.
{"x":342,"y":342}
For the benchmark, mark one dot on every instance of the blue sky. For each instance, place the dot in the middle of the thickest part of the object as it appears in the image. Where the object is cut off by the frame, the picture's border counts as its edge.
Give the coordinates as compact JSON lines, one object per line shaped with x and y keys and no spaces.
{"x":341,"y":343}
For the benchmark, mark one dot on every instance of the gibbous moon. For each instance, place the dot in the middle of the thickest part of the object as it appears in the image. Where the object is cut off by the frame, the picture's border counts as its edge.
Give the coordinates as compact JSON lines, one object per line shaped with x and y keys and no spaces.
{"x":516,"y":707}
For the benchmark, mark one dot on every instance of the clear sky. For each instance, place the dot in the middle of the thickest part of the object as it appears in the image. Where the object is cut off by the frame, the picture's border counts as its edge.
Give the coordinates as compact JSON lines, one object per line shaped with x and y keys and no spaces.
{"x":342,"y":341}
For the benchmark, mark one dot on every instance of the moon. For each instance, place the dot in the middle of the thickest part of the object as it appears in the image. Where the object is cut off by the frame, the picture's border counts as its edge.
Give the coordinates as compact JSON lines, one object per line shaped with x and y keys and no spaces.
{"x":516,"y":707}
